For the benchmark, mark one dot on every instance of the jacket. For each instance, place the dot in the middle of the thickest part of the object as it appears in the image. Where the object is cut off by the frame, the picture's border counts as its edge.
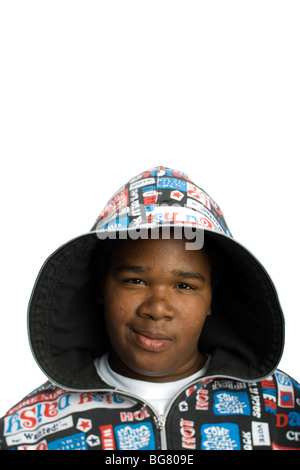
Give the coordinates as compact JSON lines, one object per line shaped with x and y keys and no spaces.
{"x":242,"y":403}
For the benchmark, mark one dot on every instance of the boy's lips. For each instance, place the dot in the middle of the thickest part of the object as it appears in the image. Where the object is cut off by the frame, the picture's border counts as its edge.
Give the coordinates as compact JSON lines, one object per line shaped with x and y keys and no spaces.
{"x":151,"y":340}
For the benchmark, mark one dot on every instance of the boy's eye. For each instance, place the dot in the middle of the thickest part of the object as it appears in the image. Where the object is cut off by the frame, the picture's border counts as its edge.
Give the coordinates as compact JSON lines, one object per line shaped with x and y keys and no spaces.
{"x":135,"y":281}
{"x":184,"y":286}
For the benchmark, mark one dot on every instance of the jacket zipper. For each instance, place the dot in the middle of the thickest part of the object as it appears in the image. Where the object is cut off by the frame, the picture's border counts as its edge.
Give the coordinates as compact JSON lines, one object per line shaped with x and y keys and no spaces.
{"x":161,"y":425}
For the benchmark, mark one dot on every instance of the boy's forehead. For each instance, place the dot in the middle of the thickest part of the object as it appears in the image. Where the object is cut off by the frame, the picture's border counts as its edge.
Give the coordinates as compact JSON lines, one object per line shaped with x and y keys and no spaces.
{"x":143,"y":245}
{"x":142,"y":253}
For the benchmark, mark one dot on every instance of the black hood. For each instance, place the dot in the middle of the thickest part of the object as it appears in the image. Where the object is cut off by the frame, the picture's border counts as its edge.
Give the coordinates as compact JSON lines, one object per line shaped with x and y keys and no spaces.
{"x":245,"y":333}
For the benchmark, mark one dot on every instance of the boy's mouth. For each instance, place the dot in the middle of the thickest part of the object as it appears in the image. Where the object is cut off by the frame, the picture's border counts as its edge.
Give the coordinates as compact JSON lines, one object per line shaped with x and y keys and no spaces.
{"x":151,"y":340}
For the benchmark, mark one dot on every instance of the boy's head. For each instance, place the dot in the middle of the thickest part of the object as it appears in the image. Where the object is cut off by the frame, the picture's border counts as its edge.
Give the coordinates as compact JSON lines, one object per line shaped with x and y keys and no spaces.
{"x":243,"y":335}
{"x":156,"y":296}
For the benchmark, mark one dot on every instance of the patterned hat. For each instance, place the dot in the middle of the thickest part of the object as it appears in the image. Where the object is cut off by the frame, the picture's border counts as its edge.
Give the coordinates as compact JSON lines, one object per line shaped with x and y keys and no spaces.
{"x":160,"y":197}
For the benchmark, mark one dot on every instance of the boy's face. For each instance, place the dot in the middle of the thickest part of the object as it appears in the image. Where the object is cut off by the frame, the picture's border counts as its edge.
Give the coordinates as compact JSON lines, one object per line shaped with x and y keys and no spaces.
{"x":156,"y":297}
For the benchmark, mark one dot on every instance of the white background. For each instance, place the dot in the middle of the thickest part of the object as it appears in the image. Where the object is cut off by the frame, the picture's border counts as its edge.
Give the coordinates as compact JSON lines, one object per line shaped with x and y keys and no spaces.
{"x":94,"y":92}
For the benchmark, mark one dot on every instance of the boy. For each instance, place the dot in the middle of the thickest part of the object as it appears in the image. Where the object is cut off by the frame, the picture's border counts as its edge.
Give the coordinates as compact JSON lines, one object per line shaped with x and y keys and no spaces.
{"x":157,"y":330}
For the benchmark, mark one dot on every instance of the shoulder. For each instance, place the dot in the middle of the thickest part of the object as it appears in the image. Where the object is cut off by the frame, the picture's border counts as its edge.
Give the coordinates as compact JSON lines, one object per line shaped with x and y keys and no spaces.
{"x":282,"y":395}
{"x":32,"y":397}
{"x":13,"y":417}
{"x":25,"y":413}
{"x":286,"y":387}
{"x":255,"y":415}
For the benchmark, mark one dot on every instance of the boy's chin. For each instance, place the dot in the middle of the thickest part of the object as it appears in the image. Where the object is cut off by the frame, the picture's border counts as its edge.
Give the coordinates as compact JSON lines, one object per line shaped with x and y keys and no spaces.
{"x":153,"y":374}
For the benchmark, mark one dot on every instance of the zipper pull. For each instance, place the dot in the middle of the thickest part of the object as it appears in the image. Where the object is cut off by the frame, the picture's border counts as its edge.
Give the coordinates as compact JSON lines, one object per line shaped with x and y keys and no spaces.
{"x":161,"y":421}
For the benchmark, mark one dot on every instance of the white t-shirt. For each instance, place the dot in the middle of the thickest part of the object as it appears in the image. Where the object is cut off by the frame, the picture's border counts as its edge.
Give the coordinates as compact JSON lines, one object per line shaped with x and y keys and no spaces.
{"x":158,"y":395}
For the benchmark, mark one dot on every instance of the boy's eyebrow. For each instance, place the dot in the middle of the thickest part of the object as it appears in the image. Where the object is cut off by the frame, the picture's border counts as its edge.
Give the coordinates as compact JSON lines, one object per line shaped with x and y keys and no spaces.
{"x":176,"y":272}
{"x":136,"y":269}
{"x":189,"y":274}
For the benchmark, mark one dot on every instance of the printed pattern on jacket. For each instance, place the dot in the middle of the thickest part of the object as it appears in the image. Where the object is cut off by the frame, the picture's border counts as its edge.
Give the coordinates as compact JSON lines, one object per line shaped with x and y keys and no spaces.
{"x":213,"y":414}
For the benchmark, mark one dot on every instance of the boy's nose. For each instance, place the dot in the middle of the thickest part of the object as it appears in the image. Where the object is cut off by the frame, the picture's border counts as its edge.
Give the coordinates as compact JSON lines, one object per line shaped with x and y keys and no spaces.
{"x":157,"y":306}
